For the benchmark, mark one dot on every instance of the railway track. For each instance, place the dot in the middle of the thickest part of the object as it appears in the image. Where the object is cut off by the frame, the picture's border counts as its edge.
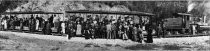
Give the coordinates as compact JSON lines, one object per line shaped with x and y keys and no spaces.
{"x":154,"y":36}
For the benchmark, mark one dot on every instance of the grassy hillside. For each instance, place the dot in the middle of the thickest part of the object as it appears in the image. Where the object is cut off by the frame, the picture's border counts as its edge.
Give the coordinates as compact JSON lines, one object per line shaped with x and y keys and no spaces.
{"x":160,"y":8}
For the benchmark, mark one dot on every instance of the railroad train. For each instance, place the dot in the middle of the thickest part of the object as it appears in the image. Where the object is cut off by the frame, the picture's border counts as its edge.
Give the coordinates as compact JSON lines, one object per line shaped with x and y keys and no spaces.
{"x":180,"y":24}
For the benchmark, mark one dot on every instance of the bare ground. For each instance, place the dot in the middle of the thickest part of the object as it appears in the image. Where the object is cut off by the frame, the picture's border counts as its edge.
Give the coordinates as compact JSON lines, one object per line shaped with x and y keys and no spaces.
{"x":15,"y":41}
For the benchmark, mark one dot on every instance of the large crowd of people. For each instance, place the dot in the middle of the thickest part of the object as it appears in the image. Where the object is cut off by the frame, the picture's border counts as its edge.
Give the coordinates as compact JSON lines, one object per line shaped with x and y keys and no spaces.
{"x":110,"y":28}
{"x":90,"y":27}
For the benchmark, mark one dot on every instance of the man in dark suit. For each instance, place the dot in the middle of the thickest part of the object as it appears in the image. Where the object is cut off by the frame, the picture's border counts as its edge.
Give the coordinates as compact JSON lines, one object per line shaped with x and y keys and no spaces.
{"x":32,"y":24}
{"x":149,"y":29}
{"x":21,"y":24}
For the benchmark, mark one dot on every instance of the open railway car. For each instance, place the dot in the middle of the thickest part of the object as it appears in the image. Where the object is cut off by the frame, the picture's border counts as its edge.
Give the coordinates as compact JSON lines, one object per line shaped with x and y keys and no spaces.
{"x":24,"y":18}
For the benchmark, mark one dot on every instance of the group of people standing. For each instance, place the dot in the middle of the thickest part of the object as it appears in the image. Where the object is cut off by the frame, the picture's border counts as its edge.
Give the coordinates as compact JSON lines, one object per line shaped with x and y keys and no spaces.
{"x":96,"y":27}
{"x":89,"y":27}
{"x":9,"y":22}
{"x":34,"y":23}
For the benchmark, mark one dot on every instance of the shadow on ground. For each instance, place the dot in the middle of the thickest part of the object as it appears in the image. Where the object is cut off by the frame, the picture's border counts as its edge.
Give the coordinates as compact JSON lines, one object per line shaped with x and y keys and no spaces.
{"x":4,"y":37}
{"x":208,"y":41}
{"x":142,"y":47}
{"x":155,"y":47}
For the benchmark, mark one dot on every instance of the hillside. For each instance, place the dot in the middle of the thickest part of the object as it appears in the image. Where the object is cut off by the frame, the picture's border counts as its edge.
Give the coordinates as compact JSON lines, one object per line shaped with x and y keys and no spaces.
{"x":160,"y":8}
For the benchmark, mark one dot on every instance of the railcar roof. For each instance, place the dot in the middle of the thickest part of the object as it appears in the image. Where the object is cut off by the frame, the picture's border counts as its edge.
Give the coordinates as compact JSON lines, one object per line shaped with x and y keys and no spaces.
{"x":32,"y":12}
{"x":184,"y":14}
{"x":111,"y":12}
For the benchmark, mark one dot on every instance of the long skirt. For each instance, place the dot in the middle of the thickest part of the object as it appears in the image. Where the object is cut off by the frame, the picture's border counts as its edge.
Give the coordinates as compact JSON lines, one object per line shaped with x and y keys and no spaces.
{"x":125,"y":36}
{"x":37,"y":25}
{"x":135,"y":38}
{"x":87,"y":34}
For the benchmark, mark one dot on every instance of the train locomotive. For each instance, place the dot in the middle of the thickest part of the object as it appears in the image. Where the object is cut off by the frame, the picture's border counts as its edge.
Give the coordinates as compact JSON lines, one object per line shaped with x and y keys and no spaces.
{"x":183,"y":24}
{"x":180,"y":23}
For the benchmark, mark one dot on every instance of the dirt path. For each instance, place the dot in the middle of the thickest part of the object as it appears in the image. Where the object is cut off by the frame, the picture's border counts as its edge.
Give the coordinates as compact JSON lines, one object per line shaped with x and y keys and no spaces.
{"x":33,"y":42}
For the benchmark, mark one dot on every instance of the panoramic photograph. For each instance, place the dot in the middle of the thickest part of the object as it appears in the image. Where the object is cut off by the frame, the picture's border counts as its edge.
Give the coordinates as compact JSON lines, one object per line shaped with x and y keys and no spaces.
{"x":104,"y":25}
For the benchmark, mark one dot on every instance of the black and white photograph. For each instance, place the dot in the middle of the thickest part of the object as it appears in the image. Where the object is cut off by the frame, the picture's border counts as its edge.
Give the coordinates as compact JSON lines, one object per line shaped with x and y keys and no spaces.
{"x":104,"y":25}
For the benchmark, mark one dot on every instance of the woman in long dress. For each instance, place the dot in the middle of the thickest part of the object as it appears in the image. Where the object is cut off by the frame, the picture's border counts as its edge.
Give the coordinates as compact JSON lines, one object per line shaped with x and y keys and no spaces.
{"x":5,"y":24}
{"x":63,"y":27}
{"x":37,"y":25}
{"x":79,"y":29}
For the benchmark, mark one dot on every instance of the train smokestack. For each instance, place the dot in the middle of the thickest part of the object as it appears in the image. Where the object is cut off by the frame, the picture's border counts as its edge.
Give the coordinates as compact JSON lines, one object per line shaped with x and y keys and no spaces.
{"x":190,"y":6}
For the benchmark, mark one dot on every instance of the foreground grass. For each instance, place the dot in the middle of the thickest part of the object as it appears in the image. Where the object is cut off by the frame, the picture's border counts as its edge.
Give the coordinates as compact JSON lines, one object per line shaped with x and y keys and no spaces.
{"x":12,"y":42}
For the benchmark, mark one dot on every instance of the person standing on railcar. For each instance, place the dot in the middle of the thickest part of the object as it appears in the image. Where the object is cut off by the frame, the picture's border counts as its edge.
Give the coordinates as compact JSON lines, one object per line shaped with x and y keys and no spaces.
{"x":134,"y":33}
{"x":92,"y":30}
{"x":71,"y":31}
{"x":37,"y":23}
{"x":32,"y":24}
{"x":41,"y":22}
{"x":149,"y":29}
{"x":63,"y":26}
{"x":108,"y":30}
{"x":120,"y":31}
{"x":21,"y":24}
{"x":86,"y":30}
{"x":95,"y":28}
{"x":48,"y":28}
{"x":159,"y":31}
{"x":113,"y":30}
{"x":99,"y":32}
{"x":8,"y":22}
{"x":118,"y":28}
{"x":44,"y":26}
{"x":125,"y":31}
{"x":5,"y":23}
{"x":51,"y":20}
{"x":1,"y":24}
{"x":17,"y":21}
{"x":59,"y":25}
{"x":139,"y":33}
{"x":103,"y":29}
{"x":130,"y":31}
{"x":11,"y":23}
{"x":79,"y":29}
